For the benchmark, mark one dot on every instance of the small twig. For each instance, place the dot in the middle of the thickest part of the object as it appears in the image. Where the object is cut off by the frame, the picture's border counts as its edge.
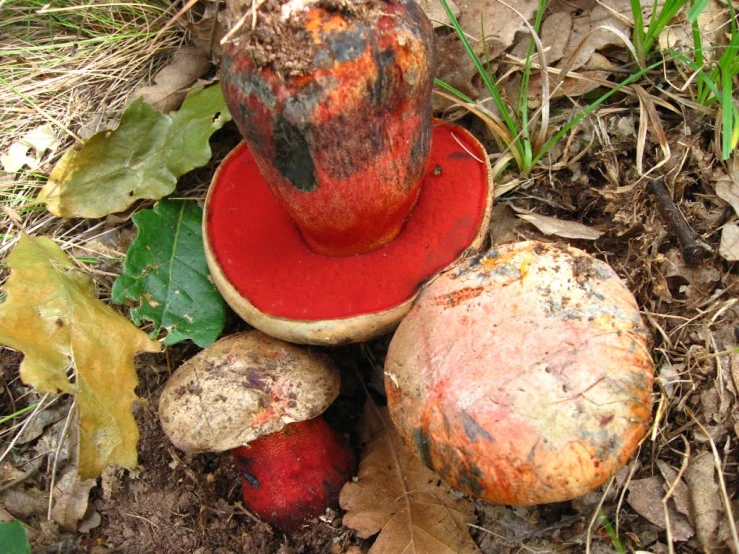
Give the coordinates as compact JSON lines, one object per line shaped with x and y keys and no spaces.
{"x":35,"y":466}
{"x":596,"y":514}
{"x":57,"y":453}
{"x":23,"y":427}
{"x":671,"y":491}
{"x":693,"y":248}
{"x":721,"y":481}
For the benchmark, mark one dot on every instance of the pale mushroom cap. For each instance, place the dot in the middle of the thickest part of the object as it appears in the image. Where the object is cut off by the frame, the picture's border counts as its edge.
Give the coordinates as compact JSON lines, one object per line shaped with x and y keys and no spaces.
{"x":242,"y":387}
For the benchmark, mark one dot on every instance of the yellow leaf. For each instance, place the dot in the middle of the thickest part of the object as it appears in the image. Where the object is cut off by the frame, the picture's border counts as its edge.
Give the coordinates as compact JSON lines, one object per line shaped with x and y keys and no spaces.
{"x":53,"y":317}
{"x":396,"y":495}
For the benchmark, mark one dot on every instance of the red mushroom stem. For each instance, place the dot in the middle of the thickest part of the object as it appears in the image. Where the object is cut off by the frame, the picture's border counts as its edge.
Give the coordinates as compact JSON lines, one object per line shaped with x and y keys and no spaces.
{"x":290,"y":476}
{"x":343,"y":144}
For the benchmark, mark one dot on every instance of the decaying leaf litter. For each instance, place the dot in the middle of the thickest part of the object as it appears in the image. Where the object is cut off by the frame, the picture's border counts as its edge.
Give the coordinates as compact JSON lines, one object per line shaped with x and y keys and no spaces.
{"x":591,"y":190}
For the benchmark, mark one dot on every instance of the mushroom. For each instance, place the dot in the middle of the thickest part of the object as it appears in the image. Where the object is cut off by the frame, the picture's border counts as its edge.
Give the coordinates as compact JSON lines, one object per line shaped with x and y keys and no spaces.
{"x":262,"y":399}
{"x":344,"y":197}
{"x":522,"y":376}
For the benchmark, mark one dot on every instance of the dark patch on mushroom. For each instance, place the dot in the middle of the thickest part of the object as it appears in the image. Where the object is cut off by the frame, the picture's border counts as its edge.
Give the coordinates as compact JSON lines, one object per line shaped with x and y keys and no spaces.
{"x":348,"y":45}
{"x":473,"y":430}
{"x":293,"y":157}
{"x":250,"y":480}
{"x":458,"y":296}
{"x":255,"y":378}
{"x":423,"y":446}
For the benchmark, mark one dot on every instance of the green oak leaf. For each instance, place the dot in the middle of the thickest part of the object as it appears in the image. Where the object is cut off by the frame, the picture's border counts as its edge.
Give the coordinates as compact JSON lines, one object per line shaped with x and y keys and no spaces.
{"x":142,"y":158}
{"x":13,"y":538}
{"x":166,"y":273}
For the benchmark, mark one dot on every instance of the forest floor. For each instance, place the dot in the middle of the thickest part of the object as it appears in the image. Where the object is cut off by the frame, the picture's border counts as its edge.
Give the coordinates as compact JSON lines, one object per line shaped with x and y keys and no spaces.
{"x":70,"y":71}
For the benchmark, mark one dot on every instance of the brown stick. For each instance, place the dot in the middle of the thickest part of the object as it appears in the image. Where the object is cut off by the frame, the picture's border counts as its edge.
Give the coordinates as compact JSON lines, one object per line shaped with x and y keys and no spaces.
{"x":693,"y":248}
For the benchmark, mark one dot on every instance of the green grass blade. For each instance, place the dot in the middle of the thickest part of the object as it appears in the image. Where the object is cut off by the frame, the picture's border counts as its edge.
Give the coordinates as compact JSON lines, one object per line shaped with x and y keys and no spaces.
{"x":638,"y":33}
{"x":696,"y":9}
{"x":587,"y":111}
{"x":492,"y":87}
{"x":450,"y":89}
{"x":727,"y":116}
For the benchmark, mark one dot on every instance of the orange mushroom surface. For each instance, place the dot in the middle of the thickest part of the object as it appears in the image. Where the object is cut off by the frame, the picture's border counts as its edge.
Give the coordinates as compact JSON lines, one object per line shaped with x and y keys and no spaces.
{"x":522,"y":376}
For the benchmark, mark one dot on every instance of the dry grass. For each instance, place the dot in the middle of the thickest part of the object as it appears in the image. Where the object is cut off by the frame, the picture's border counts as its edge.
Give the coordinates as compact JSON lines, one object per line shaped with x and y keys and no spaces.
{"x":72,"y":67}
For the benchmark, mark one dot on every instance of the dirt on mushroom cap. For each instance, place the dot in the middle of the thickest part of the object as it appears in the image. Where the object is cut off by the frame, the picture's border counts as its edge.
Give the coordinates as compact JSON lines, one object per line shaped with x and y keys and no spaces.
{"x":523,"y":376}
{"x":268,"y":43}
{"x":242,"y":387}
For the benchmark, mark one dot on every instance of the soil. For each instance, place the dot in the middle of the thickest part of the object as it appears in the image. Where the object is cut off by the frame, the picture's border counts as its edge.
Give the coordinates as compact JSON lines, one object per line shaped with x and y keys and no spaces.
{"x":284,"y":44}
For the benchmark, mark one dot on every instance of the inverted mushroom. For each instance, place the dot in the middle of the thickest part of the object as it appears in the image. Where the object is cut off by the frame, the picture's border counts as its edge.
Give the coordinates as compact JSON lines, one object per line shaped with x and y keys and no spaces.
{"x":345,"y":197}
{"x":522,"y":376}
{"x":262,"y":399}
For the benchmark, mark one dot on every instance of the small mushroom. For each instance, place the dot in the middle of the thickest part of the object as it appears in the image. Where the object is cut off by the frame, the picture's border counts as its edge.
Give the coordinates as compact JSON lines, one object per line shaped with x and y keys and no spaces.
{"x":522,"y":376}
{"x":262,"y":399}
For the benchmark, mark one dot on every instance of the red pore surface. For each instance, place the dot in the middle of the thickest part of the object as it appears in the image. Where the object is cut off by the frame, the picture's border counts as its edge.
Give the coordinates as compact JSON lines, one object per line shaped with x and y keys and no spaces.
{"x":262,"y":254}
{"x":293,"y":475}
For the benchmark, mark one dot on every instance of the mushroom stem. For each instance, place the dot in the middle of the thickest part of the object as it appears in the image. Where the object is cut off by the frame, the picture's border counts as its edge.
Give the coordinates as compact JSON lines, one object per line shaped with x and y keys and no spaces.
{"x":237,"y":395}
{"x":338,"y":119}
{"x":293,"y":475}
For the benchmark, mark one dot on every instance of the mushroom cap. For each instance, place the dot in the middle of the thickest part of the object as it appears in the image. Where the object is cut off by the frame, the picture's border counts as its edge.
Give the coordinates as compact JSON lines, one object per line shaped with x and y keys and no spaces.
{"x":522,"y":376}
{"x":242,"y":387}
{"x":275,"y":282}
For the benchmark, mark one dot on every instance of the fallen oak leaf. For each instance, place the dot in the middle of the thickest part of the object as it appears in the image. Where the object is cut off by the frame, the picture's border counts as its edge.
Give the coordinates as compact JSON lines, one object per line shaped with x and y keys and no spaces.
{"x":492,"y":25}
{"x":142,"y":158}
{"x":166,"y":273}
{"x":207,"y":35}
{"x":399,"y":497}
{"x":188,"y":65}
{"x":436,"y":13}
{"x":558,"y":227}
{"x":39,"y":140}
{"x":53,"y":317}
{"x":71,"y":496}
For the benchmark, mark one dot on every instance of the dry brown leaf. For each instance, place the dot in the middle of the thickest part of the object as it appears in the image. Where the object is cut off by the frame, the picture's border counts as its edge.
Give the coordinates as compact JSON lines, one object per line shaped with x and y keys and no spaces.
{"x":696,"y":282}
{"x":555,"y":34}
{"x":645,"y":497}
{"x":187,"y":66}
{"x":455,"y":68}
{"x":581,"y":83}
{"x":727,"y":189}
{"x":71,"y":495}
{"x":592,"y":30}
{"x":435,"y":12}
{"x":498,"y":20}
{"x":207,"y":34}
{"x":559,"y":227}
{"x":24,"y":503}
{"x":39,"y":140}
{"x":680,"y":494}
{"x":711,"y":24}
{"x":729,"y":247}
{"x":399,"y":497}
{"x":705,"y":498}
